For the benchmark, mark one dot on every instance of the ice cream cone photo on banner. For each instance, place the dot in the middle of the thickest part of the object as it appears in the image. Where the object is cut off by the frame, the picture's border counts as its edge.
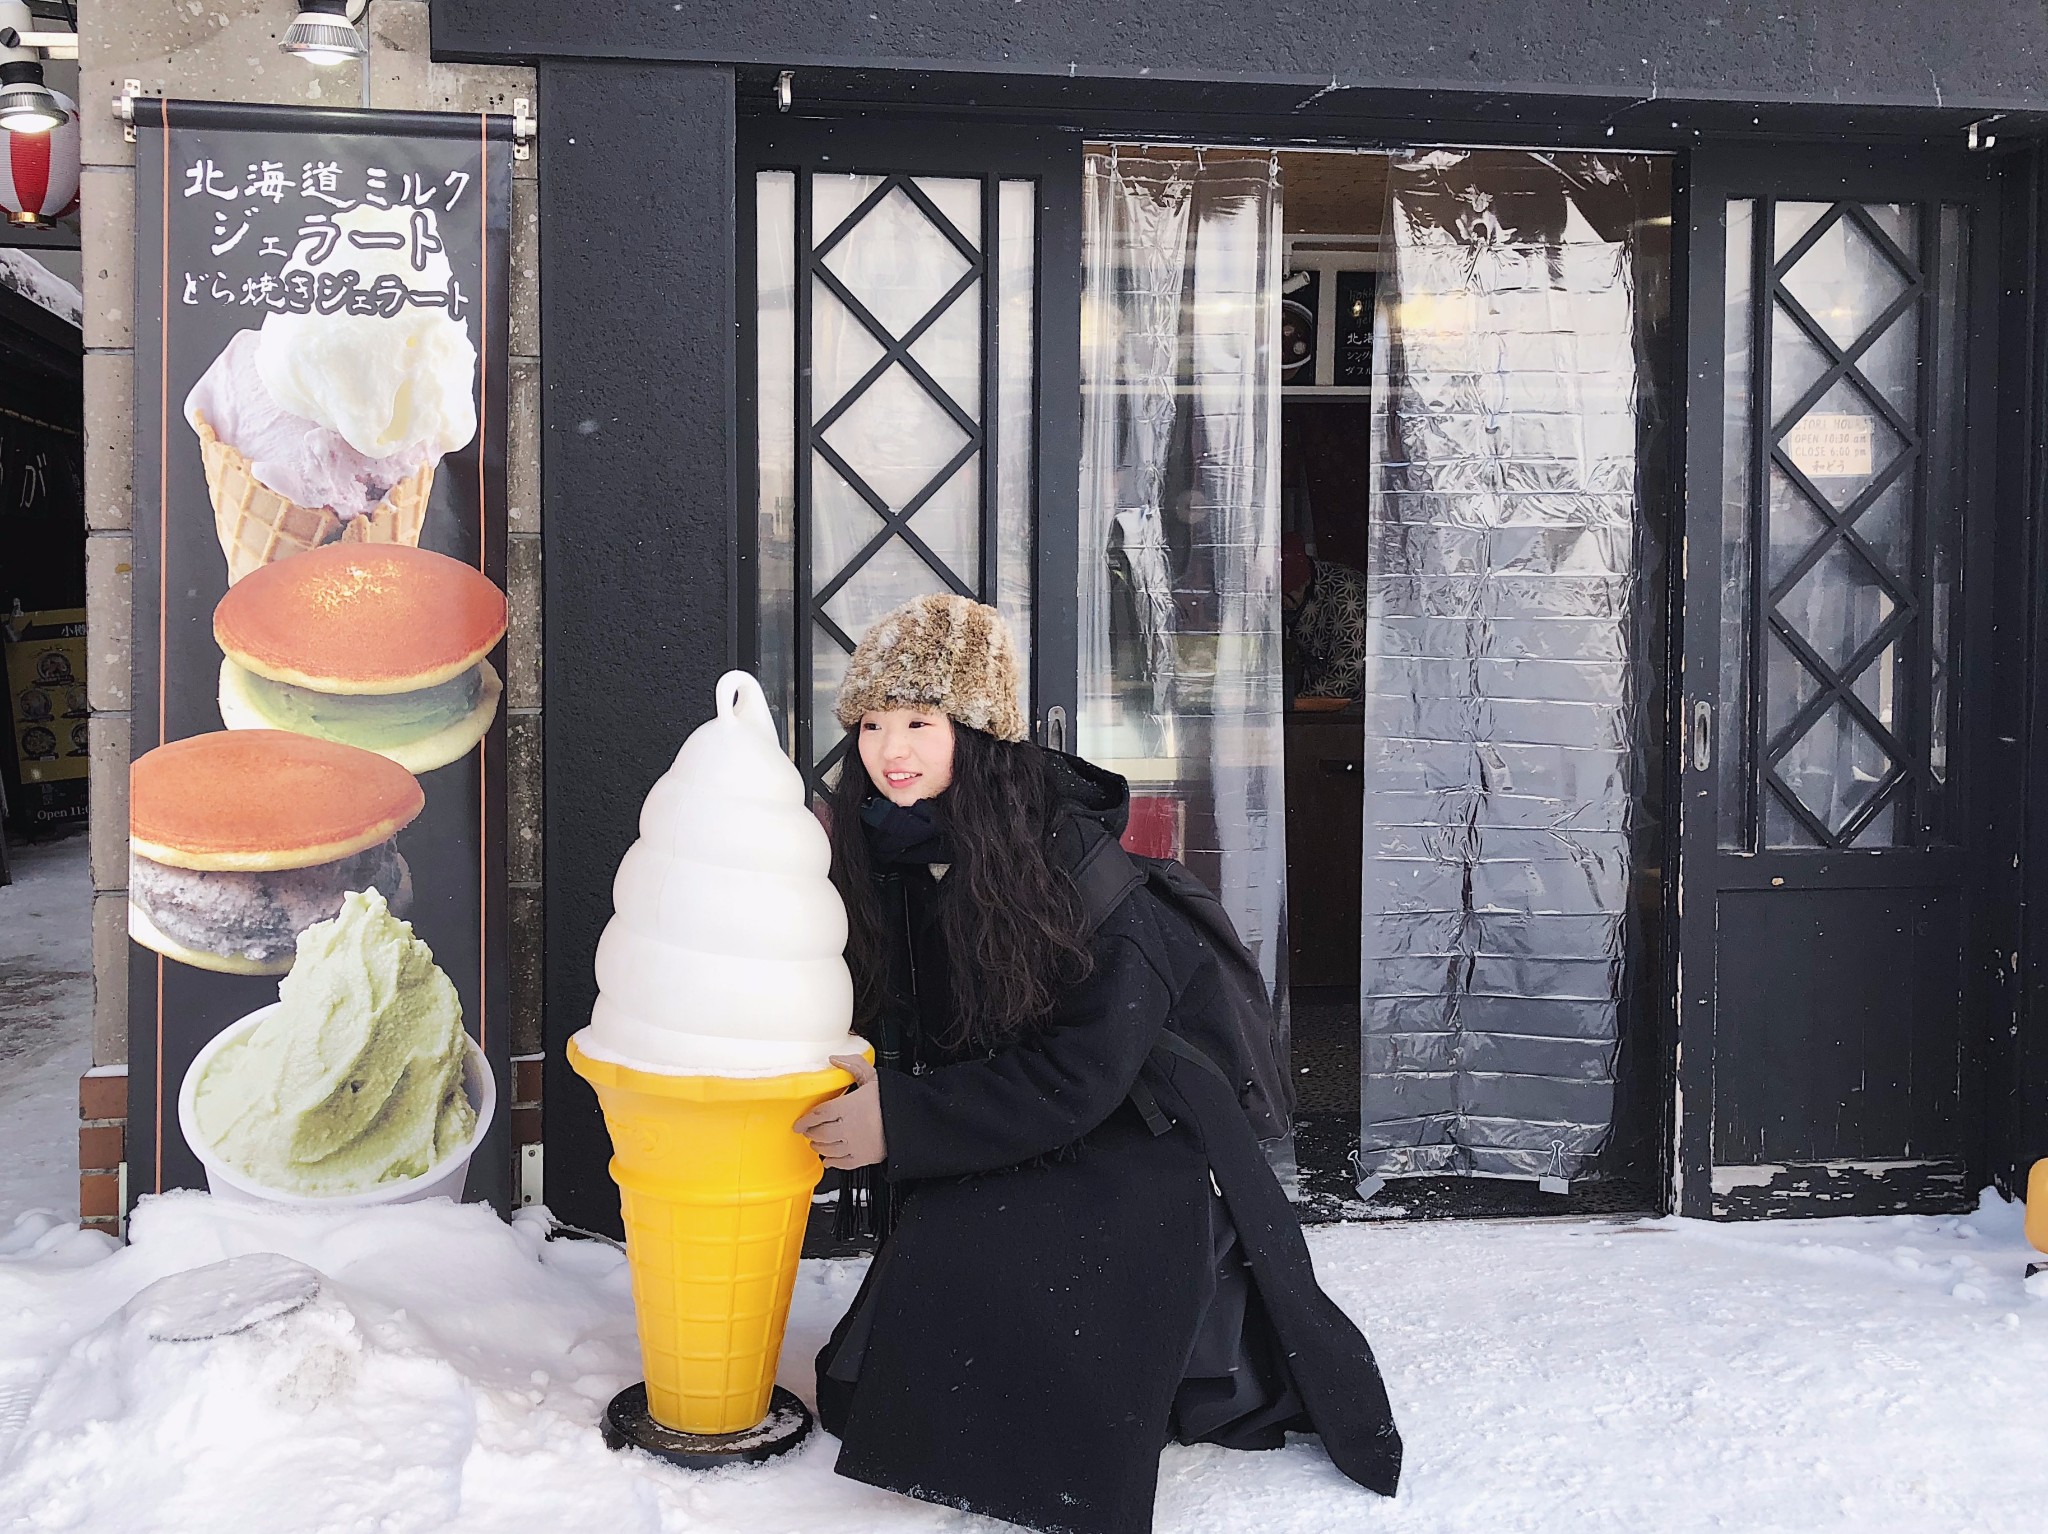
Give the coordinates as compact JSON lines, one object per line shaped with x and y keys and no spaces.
{"x":723,"y":994}
{"x":320,"y":427}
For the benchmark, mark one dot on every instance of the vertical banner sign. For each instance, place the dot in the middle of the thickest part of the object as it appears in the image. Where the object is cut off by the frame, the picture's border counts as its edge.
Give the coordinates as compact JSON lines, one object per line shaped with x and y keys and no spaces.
{"x":317,"y":977}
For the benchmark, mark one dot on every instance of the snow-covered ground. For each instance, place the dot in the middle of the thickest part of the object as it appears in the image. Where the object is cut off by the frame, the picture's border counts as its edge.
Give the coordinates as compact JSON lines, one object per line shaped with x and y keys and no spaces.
{"x":1885,"y":1376}
{"x":1645,"y":1377}
{"x":45,"y":1023}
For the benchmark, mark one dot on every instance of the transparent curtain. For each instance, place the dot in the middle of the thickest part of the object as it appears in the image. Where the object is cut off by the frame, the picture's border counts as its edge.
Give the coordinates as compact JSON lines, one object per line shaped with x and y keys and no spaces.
{"x":1504,"y":737}
{"x":1179,"y":644}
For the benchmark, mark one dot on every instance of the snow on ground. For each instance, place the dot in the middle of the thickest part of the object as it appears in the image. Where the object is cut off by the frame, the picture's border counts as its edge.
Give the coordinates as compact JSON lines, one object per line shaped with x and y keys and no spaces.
{"x":45,"y":1023}
{"x":1887,"y":1376}
{"x":1654,"y":1377}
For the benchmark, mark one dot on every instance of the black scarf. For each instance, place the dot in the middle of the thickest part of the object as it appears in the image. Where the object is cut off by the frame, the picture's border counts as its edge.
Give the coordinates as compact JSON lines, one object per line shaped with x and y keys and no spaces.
{"x":899,"y":835}
{"x":907,"y":833}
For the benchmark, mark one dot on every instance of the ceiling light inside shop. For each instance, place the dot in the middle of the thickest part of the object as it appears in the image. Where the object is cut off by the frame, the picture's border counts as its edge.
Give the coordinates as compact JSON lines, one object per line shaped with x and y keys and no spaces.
{"x":324,"y":32}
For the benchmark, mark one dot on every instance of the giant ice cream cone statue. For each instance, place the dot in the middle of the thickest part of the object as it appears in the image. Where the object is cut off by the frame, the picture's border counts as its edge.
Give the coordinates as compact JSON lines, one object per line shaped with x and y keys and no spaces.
{"x":722,"y":993}
{"x":2037,"y":1214}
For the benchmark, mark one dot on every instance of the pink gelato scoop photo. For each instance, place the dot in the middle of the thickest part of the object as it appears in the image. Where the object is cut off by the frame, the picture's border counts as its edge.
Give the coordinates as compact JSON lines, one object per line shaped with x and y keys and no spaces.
{"x":307,"y":463}
{"x":323,"y":427}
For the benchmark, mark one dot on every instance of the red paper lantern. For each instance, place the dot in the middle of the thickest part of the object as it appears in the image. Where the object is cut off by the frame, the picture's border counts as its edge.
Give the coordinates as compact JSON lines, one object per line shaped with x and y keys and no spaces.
{"x":39,"y":172}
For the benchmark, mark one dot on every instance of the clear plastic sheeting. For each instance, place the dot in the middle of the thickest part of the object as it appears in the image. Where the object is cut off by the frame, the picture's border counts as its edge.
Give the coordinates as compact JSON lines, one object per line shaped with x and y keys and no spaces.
{"x":1503,"y":721}
{"x":1179,"y":643}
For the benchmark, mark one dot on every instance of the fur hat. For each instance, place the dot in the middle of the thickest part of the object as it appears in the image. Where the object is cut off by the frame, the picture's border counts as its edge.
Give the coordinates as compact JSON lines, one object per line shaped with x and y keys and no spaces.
{"x":941,"y":652}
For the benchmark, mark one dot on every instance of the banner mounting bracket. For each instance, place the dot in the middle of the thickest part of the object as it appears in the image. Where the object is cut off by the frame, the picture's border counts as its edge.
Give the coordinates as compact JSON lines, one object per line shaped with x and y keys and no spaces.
{"x":522,"y":128}
{"x":124,"y":107}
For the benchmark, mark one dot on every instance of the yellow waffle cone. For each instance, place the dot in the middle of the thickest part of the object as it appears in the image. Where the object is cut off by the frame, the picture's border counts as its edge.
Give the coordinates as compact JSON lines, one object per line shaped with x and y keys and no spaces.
{"x":715,"y":1188}
{"x":257,"y":526}
{"x":400,"y":516}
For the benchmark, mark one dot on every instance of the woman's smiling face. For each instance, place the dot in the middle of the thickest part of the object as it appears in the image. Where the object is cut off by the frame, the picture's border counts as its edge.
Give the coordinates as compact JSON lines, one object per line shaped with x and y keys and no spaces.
{"x":908,"y":752}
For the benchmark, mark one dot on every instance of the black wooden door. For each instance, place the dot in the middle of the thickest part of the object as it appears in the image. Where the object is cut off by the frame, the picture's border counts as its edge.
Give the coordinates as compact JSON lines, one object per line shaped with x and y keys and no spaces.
{"x":909,"y":397}
{"x":1834,"y":615}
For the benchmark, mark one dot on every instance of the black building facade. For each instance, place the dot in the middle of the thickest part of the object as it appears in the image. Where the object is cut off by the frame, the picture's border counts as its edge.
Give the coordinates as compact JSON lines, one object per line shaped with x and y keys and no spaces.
{"x":1690,"y":439}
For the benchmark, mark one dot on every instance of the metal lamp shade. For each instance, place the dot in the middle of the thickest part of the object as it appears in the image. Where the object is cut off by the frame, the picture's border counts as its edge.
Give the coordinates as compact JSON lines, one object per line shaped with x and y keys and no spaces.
{"x":321,"y":34}
{"x":26,"y":104}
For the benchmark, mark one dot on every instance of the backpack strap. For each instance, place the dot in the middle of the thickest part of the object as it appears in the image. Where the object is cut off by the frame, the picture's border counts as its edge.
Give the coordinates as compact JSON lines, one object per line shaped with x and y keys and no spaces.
{"x":1172,"y":1043}
{"x":1148,"y":1109}
{"x":1142,"y":1098}
{"x":1103,"y":876}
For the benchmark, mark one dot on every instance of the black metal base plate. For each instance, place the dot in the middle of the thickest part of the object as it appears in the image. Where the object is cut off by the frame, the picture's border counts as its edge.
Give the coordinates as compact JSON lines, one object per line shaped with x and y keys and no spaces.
{"x":627,"y":1425}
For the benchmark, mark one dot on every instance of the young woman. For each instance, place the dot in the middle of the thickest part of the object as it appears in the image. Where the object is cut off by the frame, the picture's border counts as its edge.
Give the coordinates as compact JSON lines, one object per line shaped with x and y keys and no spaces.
{"x":1063,"y":1289}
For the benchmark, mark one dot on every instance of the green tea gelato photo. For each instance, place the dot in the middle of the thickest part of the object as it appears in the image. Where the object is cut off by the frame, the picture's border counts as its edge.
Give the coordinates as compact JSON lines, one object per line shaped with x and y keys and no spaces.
{"x":356,"y":1078}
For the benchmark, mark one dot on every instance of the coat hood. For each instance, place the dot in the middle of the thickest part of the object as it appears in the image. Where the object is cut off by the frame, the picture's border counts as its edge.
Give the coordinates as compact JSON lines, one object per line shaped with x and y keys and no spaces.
{"x":1093,"y":801}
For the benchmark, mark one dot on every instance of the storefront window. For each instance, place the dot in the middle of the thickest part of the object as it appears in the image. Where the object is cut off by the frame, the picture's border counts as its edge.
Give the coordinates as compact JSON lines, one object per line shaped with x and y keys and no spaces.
{"x":1016,"y":404}
{"x":893,"y":461}
{"x":775,"y":424}
{"x":1737,"y":325}
{"x":1179,"y":644}
{"x":1842,"y":509}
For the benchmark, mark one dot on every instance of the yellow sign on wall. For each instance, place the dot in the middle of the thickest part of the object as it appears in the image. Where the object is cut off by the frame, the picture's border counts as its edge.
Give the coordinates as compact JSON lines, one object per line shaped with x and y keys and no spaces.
{"x":46,"y":693}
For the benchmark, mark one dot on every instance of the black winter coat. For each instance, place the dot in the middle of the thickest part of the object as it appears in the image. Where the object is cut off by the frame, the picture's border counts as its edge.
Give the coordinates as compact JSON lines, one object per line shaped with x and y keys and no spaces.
{"x":1020,"y":1344}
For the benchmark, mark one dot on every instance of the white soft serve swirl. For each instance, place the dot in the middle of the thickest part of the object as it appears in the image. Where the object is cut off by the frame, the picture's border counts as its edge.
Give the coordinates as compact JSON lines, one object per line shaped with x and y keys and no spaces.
{"x":384,"y":384}
{"x":725,"y":952}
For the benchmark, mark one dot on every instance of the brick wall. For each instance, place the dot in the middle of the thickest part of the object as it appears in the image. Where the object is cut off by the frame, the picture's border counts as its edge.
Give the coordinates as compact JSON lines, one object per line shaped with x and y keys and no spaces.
{"x":227,"y":50}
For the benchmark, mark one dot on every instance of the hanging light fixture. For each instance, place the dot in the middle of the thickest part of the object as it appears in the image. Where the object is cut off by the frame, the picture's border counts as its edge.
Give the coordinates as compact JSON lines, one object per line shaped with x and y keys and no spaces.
{"x":27,"y":105}
{"x":39,"y":173}
{"x":324,"y":32}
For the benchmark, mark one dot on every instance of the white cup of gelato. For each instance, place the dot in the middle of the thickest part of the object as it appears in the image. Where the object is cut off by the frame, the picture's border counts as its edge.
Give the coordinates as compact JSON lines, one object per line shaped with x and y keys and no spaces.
{"x":443,"y":1179}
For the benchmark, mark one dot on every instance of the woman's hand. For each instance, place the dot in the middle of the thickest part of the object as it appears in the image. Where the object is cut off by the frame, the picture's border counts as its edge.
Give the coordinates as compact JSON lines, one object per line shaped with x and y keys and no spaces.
{"x":846,"y":1131}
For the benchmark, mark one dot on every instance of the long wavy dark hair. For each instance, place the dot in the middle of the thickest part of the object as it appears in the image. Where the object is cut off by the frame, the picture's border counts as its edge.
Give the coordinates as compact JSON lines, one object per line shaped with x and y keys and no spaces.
{"x":1011,"y":920}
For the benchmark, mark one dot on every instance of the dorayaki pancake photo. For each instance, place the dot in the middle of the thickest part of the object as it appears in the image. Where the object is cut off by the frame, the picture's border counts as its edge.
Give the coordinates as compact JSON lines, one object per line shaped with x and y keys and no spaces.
{"x":369,"y":644}
{"x":240,"y":840}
